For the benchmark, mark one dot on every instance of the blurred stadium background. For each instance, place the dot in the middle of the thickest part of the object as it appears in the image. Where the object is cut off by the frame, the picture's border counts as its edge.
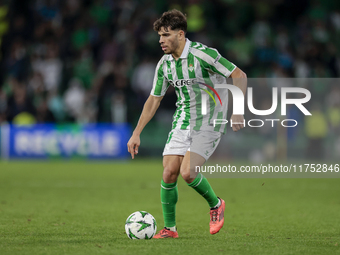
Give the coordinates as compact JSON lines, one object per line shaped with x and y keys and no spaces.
{"x":74,"y":75}
{"x":80,"y":63}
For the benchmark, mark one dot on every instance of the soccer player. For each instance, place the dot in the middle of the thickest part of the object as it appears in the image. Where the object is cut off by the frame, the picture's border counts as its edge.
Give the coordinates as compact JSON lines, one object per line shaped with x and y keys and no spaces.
{"x":192,"y":68}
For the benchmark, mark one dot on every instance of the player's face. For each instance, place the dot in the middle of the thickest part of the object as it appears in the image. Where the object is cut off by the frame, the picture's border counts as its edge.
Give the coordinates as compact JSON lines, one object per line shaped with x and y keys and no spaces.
{"x":169,"y":40}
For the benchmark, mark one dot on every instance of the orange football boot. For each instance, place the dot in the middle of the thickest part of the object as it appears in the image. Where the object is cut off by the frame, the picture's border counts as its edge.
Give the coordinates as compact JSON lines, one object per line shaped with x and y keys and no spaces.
{"x":166,"y":233}
{"x":217,"y":218}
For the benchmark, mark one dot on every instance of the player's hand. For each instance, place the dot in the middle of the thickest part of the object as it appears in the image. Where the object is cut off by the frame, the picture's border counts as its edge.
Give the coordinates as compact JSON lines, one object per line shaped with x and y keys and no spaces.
{"x":133,"y":145}
{"x":239,"y":119}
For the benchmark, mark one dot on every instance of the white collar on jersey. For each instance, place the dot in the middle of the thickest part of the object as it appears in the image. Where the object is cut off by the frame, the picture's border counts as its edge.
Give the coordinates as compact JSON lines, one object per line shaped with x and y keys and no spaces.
{"x":185,"y":51}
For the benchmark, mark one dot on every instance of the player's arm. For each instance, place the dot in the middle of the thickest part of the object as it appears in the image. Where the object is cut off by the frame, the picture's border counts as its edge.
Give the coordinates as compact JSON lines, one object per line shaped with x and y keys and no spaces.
{"x":150,"y":107}
{"x":240,"y":81}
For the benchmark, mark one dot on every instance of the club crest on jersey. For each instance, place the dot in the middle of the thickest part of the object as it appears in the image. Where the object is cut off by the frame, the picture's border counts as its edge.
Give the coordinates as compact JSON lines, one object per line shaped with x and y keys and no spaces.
{"x":191,"y":67}
{"x":182,"y":82}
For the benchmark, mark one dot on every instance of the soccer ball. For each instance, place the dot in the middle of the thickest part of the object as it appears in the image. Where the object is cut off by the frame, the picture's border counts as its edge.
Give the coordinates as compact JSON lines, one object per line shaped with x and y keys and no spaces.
{"x":140,"y":225}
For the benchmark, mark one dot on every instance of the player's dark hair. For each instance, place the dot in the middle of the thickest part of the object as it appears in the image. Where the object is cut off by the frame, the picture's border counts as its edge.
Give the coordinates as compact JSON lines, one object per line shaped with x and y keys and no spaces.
{"x":173,"y":19}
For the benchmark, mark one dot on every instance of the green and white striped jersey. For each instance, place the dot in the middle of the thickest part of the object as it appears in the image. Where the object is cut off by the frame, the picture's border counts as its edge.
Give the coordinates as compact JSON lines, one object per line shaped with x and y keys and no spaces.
{"x":195,"y":73}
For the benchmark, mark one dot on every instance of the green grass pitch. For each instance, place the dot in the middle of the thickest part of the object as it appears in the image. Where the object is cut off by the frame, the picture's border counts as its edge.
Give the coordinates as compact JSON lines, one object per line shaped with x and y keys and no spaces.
{"x":81,"y":208}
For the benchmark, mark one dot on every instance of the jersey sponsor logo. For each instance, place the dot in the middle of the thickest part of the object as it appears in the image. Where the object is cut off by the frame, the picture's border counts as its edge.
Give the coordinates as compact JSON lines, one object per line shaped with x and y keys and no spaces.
{"x":188,"y":82}
{"x":183,"y":82}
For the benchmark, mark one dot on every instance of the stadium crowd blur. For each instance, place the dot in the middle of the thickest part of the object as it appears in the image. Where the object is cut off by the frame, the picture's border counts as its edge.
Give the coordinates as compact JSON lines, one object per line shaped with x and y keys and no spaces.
{"x":86,"y":61}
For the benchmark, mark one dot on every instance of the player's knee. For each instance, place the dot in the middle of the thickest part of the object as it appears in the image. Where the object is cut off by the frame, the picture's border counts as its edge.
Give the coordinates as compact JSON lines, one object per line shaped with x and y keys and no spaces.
{"x":187,"y":176}
{"x":170,"y":174}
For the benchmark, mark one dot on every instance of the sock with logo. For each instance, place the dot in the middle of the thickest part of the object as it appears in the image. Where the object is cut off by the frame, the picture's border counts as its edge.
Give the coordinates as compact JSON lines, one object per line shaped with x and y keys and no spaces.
{"x":169,"y":198}
{"x":202,"y":186}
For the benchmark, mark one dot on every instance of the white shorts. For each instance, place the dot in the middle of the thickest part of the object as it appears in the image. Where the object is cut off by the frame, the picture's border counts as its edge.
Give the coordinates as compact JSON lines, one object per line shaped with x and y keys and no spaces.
{"x":202,"y":142}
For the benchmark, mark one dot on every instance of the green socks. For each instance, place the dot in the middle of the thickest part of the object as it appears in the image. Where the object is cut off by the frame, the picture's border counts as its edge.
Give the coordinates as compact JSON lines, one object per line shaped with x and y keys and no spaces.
{"x":202,"y":186}
{"x":169,"y":198}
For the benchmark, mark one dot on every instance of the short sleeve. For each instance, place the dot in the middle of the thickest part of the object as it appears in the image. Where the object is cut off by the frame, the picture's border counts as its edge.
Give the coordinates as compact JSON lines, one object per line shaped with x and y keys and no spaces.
{"x":224,"y":66}
{"x":220,"y":64}
{"x":160,"y":83}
